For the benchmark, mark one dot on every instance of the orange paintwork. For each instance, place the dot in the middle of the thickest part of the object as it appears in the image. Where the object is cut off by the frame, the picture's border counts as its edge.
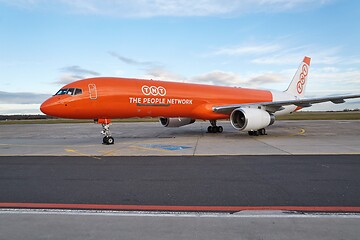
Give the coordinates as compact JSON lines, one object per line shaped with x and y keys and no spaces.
{"x":125,"y":98}
{"x":298,"y":108}
{"x":307,"y":60}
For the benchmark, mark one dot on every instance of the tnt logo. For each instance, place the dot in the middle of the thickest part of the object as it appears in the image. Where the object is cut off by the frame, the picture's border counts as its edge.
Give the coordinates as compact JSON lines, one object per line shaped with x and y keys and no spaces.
{"x":301,"y":82}
{"x":154,"y":91}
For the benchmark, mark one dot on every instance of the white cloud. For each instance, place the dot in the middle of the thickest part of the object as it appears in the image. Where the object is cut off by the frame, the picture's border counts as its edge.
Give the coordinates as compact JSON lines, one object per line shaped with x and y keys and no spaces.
{"x":9,"y":109}
{"x":78,"y":70}
{"x":293,"y":55}
{"x":152,"y":8}
{"x":251,"y":49}
{"x":218,"y":77}
{"x":348,"y":79}
{"x":21,"y":98}
{"x":266,"y":78}
{"x":131,"y":61}
{"x":67,"y":78}
{"x":160,"y":73}
{"x":73,"y":73}
{"x":285,"y":50}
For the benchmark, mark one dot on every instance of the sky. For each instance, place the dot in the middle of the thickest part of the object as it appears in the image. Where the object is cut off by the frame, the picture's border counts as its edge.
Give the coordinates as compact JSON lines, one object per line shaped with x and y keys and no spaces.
{"x":45,"y":44}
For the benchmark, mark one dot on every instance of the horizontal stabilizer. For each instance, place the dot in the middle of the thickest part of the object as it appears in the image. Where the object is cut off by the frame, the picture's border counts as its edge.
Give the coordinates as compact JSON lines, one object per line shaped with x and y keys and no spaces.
{"x":338,"y":101}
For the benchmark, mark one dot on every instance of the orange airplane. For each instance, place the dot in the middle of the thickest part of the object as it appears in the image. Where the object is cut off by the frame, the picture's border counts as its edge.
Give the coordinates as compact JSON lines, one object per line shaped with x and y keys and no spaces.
{"x":179,"y":104}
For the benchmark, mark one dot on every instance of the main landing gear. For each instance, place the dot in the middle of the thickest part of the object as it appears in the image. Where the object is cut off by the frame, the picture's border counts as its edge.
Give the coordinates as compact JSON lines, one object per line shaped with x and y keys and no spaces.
{"x":213,"y":128}
{"x":257,"y":132}
{"x":105,"y":123}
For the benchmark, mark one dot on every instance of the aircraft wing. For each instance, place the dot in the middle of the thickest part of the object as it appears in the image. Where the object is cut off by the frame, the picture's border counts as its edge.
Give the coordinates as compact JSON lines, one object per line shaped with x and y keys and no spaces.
{"x":278,"y":105}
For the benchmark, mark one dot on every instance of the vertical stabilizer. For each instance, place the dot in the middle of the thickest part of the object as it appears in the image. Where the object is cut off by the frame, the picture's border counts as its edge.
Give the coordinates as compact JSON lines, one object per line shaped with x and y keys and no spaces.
{"x":299,"y":81}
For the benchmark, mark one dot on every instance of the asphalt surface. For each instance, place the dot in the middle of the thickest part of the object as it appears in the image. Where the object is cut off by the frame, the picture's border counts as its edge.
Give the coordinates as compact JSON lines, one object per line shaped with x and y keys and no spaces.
{"x":308,"y":180}
{"x":152,"y":139}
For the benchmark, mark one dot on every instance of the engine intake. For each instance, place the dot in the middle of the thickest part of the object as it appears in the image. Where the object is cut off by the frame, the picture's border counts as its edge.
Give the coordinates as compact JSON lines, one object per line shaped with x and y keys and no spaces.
{"x":176,"y":122}
{"x":250,"y":119}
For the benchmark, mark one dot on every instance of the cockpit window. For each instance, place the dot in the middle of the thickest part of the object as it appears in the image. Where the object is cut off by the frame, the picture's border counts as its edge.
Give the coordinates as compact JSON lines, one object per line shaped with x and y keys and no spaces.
{"x":78,"y":91}
{"x":69,"y":91}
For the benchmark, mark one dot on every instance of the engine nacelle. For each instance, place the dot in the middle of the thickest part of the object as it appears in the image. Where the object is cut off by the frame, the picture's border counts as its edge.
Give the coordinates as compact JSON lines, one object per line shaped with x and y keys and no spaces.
{"x":250,"y":119}
{"x":176,"y":122}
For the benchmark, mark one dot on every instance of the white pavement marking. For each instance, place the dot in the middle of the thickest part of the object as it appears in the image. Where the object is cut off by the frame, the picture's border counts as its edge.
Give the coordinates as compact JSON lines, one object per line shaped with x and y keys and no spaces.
{"x":242,"y":214}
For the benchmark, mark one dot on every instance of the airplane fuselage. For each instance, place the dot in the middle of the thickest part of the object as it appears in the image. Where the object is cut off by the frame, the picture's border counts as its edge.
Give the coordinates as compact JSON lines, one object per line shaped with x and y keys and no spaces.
{"x":108,"y":98}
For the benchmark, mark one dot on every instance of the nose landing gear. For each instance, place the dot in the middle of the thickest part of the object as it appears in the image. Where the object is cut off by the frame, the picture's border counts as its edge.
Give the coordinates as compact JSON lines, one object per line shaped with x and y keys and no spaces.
{"x":108,"y":139}
{"x":105,"y":123}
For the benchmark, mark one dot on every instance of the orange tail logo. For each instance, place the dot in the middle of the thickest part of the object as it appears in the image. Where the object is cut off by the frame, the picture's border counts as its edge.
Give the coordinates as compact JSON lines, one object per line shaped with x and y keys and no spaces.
{"x":301,"y":82}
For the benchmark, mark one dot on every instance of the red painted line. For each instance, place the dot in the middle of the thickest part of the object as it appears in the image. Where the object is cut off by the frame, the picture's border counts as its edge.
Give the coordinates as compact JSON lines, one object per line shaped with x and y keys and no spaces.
{"x":180,"y":208}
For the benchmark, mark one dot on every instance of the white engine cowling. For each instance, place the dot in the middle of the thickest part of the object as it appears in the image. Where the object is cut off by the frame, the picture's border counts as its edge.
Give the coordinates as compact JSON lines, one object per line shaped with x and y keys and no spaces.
{"x":176,"y":122}
{"x":250,"y":119}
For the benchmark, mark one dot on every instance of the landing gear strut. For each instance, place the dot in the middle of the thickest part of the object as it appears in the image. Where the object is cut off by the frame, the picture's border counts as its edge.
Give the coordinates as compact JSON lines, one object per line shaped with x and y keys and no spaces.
{"x":105,"y":123}
{"x":213,"y":128}
{"x":108,"y":139}
{"x":257,"y":132}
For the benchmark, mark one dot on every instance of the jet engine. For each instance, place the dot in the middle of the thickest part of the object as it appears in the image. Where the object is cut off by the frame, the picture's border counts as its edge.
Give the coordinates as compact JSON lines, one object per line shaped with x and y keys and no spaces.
{"x":176,"y":122}
{"x":250,"y":119}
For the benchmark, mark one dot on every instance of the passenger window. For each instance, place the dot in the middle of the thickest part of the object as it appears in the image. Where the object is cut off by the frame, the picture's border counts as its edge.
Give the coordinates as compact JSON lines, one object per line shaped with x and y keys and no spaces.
{"x":78,"y":91}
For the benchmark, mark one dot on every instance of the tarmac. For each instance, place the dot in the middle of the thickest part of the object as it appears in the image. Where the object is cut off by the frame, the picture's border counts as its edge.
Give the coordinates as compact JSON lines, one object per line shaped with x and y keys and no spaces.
{"x":152,"y":139}
{"x":23,"y":224}
{"x":54,"y":177}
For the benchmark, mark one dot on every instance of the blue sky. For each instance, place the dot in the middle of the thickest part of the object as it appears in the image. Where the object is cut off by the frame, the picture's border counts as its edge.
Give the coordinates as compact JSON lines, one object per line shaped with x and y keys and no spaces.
{"x":248,"y":43}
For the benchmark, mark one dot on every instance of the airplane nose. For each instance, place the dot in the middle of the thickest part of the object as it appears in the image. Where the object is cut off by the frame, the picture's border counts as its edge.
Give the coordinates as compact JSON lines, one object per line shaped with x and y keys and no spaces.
{"x":45,"y":107}
{"x":49,"y":107}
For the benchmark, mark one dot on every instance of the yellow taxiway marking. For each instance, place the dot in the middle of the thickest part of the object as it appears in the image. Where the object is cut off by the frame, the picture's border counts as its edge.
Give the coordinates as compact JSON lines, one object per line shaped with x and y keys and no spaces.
{"x":301,"y":132}
{"x":108,"y":153}
{"x":81,"y":154}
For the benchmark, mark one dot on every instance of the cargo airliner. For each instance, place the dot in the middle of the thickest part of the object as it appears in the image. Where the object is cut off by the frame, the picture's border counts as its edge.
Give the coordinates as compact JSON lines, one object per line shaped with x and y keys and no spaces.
{"x":178,"y":104}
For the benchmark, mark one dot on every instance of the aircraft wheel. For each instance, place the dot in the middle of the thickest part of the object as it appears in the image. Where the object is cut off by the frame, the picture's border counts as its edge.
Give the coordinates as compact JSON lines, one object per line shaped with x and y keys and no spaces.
{"x":216,"y":129}
{"x":262,"y":131}
{"x":108,"y":140}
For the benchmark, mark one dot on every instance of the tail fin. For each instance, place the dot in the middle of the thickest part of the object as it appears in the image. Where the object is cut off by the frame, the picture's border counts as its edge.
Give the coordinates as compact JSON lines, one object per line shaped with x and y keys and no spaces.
{"x":298,"y":83}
